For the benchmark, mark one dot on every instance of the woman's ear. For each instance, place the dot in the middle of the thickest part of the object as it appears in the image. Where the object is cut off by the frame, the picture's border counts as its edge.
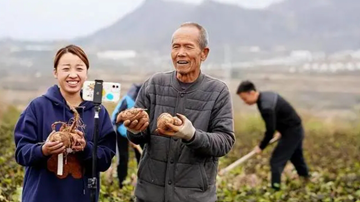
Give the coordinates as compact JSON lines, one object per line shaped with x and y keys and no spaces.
{"x":55,"y":73}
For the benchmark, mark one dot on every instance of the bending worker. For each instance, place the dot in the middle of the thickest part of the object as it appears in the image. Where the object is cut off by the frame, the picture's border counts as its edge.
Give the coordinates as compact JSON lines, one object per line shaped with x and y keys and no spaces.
{"x":280,"y":116}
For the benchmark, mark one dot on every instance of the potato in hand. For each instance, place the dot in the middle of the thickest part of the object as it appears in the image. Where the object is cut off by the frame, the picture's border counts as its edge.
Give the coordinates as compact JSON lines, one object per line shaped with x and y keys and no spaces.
{"x":166,"y":118}
{"x":131,"y":114}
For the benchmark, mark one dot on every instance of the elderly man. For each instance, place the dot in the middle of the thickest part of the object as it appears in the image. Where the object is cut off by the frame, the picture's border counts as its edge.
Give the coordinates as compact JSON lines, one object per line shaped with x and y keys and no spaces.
{"x":180,"y":164}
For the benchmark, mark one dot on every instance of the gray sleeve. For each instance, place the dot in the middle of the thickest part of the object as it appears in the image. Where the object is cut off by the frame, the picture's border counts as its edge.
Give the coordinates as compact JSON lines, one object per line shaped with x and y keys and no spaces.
{"x":142,"y":101}
{"x":220,"y":138}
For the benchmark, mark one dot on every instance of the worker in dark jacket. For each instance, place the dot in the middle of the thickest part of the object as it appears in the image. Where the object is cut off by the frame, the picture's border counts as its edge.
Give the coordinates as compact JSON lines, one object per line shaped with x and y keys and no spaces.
{"x":126,"y":102}
{"x":279,"y":116}
{"x":180,"y":164}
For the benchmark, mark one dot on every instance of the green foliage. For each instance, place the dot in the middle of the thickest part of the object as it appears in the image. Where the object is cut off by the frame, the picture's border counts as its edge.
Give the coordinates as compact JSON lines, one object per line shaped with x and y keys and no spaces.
{"x":11,"y":174}
{"x":331,"y":151}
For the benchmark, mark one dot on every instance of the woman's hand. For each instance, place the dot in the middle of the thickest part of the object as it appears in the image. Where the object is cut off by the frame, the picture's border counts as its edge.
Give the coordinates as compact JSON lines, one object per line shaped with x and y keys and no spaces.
{"x":50,"y":148}
{"x":80,"y":142}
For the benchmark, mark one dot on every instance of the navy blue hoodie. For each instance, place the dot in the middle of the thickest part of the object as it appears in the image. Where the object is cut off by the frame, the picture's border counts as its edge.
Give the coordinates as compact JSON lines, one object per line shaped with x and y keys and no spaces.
{"x":33,"y":127}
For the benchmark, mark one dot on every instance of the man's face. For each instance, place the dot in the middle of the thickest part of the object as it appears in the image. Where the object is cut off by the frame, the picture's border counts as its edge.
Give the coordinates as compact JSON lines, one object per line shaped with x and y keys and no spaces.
{"x":249,"y":98}
{"x":186,"y":52}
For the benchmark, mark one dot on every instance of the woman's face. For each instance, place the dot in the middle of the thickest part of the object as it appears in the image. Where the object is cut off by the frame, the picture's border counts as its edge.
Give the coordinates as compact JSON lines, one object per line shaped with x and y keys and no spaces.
{"x":71,"y":73}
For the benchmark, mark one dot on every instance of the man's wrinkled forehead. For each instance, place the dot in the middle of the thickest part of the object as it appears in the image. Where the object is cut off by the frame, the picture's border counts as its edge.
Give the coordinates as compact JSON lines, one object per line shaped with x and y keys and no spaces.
{"x":185,"y":33}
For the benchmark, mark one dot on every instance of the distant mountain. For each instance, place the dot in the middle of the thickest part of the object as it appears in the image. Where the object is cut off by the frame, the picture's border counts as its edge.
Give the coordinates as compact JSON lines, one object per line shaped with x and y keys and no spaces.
{"x":147,"y":27}
{"x":327,"y":25}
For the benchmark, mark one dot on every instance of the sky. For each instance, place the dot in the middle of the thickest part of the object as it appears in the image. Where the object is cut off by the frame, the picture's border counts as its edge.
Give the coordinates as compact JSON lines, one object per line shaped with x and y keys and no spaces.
{"x":65,"y":19}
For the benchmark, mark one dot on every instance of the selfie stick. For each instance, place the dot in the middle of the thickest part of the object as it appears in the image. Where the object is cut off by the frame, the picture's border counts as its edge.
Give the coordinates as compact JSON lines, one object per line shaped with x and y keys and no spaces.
{"x":92,"y":182}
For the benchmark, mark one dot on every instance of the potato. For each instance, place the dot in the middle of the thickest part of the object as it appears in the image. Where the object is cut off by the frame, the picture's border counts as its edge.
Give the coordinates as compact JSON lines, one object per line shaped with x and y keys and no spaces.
{"x":64,"y":137}
{"x":167,"y":118}
{"x":131,"y":114}
{"x":177,"y":121}
{"x":67,"y":132}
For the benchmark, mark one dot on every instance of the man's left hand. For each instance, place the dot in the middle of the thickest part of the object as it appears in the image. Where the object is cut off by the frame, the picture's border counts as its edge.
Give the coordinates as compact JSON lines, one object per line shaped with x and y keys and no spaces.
{"x":257,"y":150}
{"x":185,"y":131}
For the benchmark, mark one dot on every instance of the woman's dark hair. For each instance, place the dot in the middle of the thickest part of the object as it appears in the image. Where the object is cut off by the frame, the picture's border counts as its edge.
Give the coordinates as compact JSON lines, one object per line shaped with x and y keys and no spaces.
{"x":76,"y":50}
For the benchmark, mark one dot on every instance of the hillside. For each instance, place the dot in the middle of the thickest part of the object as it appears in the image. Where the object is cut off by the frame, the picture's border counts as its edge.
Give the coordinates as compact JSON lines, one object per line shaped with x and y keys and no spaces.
{"x":315,"y":25}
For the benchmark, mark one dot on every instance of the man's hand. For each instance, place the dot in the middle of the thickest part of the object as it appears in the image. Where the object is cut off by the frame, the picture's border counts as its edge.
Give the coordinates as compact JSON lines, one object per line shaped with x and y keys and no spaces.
{"x":50,"y":148}
{"x":131,"y":114}
{"x":138,"y":123}
{"x":257,"y":150}
{"x":132,"y":144}
{"x":277,"y":135}
{"x":186,"y":131}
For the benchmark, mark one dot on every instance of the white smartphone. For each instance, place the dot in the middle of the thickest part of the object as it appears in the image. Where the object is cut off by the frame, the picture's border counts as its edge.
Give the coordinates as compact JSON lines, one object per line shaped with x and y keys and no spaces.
{"x":110,"y":93}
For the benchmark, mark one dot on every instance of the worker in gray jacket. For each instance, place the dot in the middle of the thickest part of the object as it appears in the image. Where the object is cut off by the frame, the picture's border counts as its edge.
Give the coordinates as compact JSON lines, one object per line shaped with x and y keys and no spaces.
{"x":181,"y":164}
{"x":280,"y":116}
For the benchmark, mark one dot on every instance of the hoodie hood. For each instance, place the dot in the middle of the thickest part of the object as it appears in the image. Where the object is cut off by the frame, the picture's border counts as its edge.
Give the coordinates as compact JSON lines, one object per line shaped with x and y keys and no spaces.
{"x":54,"y":94}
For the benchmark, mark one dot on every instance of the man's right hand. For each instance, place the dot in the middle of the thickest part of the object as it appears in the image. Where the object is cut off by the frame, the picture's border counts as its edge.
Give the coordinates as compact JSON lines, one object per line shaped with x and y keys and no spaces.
{"x":50,"y":148}
{"x":257,"y":150}
{"x":138,"y":125}
{"x":277,"y":135}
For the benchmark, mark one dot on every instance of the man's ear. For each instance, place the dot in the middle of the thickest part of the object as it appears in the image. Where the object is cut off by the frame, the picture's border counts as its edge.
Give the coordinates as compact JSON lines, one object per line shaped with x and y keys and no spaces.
{"x":204,"y":53}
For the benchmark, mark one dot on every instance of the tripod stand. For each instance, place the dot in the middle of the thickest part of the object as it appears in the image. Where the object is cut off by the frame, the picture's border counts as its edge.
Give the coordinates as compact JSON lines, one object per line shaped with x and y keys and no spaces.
{"x":93,"y":181}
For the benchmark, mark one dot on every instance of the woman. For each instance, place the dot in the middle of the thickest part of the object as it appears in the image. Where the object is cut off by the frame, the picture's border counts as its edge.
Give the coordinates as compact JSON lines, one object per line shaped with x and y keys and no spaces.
{"x":39,"y":155}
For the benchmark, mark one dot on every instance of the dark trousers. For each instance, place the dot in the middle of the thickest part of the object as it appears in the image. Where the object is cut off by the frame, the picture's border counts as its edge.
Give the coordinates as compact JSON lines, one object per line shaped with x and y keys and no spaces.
{"x":288,"y":148}
{"x":122,"y":167}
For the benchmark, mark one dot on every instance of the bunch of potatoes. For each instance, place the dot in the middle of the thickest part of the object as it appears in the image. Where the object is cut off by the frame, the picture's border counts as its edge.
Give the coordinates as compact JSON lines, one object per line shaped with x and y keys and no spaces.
{"x":162,"y":120}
